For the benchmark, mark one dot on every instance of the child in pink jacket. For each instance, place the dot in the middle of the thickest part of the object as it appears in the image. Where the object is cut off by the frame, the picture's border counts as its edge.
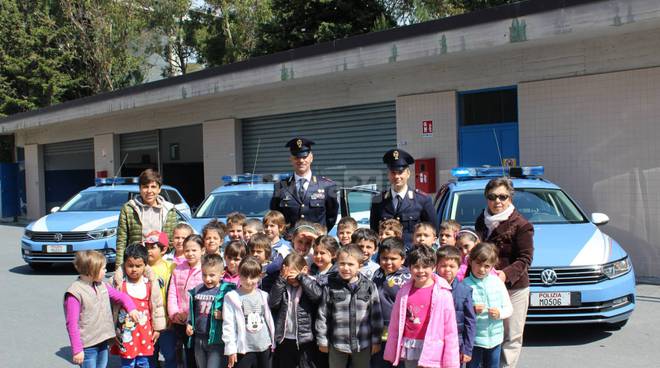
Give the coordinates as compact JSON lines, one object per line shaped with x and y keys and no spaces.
{"x":185,"y":276}
{"x":422,"y":330}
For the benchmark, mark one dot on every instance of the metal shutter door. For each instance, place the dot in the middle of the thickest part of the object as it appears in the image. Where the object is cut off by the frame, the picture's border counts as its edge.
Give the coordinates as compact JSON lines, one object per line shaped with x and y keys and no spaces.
{"x":138,"y":141}
{"x":350,"y":141}
{"x":83,"y":146}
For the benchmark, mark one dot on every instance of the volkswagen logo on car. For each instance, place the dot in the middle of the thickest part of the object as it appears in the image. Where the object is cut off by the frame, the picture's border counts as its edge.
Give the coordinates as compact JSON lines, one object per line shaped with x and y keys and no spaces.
{"x":57,"y":237}
{"x":548,"y":277}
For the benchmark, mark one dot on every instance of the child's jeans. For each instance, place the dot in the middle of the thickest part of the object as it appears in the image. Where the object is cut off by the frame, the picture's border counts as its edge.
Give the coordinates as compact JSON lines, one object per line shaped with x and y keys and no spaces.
{"x":137,"y":362}
{"x":485,"y":358}
{"x":96,"y":356}
{"x":209,"y":356}
{"x":340,"y":359}
{"x":165,"y":345}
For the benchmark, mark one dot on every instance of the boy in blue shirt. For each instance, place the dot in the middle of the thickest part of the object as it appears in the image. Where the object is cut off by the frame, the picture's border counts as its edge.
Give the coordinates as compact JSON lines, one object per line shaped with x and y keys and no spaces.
{"x":449,"y":259}
{"x":388,"y":279}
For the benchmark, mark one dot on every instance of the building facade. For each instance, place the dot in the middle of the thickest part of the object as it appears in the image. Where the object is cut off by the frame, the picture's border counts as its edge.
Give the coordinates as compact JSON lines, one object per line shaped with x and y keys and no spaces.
{"x":571,"y":85}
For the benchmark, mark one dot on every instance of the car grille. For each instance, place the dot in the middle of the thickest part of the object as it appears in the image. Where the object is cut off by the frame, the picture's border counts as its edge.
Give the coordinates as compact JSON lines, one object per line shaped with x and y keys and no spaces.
{"x":569,"y":275}
{"x":70,"y":236}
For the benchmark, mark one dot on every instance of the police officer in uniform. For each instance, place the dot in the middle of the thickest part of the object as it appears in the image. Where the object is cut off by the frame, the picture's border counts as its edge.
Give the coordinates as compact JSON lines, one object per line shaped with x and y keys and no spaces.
{"x":408,"y":206}
{"x":305,"y":196}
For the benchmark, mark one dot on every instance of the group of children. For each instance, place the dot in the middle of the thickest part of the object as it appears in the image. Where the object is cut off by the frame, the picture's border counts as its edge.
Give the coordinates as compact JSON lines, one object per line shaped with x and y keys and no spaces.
{"x":240,"y":295}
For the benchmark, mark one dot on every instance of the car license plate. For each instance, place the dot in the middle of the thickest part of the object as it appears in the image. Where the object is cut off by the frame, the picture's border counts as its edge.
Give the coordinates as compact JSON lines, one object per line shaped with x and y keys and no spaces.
{"x":56,"y":249}
{"x":550,"y":299}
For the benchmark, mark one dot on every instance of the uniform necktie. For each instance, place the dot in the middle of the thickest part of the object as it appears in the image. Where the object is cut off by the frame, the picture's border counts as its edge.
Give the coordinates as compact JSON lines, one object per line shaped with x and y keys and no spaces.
{"x":399,"y":200}
{"x":301,"y":188}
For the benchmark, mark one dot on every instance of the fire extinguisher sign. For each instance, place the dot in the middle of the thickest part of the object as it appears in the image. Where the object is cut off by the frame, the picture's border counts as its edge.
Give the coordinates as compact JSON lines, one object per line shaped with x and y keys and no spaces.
{"x":427,"y":128}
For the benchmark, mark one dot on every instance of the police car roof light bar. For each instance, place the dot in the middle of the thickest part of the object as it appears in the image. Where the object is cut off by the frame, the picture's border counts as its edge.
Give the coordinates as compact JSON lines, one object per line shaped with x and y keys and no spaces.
{"x":115,"y":181}
{"x":253,"y":178}
{"x":466,"y":173}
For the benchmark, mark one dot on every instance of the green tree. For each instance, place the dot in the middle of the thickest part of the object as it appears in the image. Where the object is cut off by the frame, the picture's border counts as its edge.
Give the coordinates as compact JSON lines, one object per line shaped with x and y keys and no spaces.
{"x":34,"y":64}
{"x":237,"y":25}
{"x":297,"y":23}
{"x":108,"y":39}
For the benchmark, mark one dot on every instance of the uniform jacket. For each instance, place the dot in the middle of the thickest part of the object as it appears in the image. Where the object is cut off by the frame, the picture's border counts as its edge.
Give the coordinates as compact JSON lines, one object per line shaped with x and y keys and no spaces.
{"x":157,"y":309}
{"x":233,"y":323}
{"x":129,"y":227}
{"x":416,"y":207}
{"x":306,"y":298}
{"x":349,"y":319}
{"x":440,"y":347}
{"x":215,"y":325}
{"x":319,"y":204}
{"x":465,"y":318}
{"x":514,"y":239}
{"x":491,"y":292}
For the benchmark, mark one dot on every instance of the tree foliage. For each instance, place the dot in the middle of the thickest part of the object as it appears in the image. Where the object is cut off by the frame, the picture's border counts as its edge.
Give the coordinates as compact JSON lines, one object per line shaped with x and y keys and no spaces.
{"x":297,"y":23}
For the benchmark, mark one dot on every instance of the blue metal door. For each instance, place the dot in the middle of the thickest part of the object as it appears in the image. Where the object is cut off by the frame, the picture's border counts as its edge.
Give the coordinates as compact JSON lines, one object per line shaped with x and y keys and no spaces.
{"x":478,"y":144}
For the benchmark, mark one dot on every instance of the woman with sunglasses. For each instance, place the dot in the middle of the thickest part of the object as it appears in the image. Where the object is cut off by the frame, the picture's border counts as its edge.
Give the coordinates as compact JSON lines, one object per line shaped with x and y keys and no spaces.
{"x":502,"y":225}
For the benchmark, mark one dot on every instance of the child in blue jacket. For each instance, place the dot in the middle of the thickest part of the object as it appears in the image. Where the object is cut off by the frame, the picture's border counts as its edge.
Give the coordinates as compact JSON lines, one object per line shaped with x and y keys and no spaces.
{"x":449,"y":260}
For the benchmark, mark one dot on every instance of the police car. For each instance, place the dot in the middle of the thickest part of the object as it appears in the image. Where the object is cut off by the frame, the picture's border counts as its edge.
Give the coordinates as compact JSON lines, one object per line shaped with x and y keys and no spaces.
{"x":251,"y":194}
{"x":579,"y":274}
{"x":86,"y":221}
{"x":247,"y":194}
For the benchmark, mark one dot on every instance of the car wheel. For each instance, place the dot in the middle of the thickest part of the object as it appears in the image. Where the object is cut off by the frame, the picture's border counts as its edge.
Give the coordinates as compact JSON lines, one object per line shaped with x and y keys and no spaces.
{"x":616,"y":326}
{"x":39,"y":266}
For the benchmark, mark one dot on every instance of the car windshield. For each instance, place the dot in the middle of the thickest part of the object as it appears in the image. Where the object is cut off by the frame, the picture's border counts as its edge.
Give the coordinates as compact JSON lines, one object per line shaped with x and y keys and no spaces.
{"x":250,"y":203}
{"x":538,"y":205}
{"x":97,"y":201}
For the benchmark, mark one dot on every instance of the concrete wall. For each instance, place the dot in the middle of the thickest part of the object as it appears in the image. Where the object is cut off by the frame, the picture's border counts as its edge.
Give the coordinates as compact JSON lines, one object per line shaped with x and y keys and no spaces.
{"x":598,"y":138}
{"x":188,"y":138}
{"x":34,"y":181}
{"x":222,"y":151}
{"x":106,"y":153}
{"x":440,"y":108}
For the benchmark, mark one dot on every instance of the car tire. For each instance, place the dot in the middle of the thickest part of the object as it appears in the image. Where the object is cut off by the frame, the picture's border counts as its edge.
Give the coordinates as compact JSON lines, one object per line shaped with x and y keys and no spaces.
{"x":39,"y":266}
{"x":616,"y":326}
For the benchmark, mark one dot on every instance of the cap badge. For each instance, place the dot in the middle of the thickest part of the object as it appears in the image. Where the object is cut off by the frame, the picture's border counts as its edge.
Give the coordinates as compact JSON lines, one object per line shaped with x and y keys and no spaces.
{"x":299,"y":143}
{"x":395,"y":154}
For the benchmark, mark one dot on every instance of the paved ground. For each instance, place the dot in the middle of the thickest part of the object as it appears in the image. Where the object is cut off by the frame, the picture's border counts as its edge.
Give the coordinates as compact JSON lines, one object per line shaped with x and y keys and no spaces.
{"x":34,"y":334}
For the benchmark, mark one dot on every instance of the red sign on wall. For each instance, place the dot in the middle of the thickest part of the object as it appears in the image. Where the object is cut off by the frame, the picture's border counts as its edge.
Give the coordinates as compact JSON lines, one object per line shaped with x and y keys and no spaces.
{"x":427,"y":128}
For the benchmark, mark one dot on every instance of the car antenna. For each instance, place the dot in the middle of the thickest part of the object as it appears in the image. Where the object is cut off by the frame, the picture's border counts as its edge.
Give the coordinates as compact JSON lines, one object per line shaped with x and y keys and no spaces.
{"x":114,"y":177}
{"x":256,"y":157}
{"x":499,"y":153}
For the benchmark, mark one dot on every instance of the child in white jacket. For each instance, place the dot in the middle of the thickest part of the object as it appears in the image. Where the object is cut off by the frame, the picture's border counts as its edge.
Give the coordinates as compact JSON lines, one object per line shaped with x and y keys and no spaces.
{"x":247,"y":327}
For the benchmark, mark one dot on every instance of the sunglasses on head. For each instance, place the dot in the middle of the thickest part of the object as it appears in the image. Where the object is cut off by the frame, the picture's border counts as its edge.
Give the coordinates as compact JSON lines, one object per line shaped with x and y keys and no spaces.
{"x":501,"y":197}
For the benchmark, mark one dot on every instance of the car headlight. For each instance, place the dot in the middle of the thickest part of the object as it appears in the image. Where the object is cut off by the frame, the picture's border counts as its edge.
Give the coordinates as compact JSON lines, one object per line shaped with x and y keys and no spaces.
{"x":28,"y":234}
{"x":100,"y":234}
{"x":617,"y":268}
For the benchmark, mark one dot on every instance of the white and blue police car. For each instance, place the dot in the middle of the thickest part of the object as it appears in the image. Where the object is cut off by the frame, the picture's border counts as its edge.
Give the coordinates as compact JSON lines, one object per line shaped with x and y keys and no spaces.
{"x":579,"y":274}
{"x":87,"y":221}
{"x":248,"y":194}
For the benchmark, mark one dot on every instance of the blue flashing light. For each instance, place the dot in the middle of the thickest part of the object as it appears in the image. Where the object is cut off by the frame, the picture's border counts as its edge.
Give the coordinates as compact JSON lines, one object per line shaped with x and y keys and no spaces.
{"x":254,"y":178}
{"x":497,"y":171}
{"x":115,"y":181}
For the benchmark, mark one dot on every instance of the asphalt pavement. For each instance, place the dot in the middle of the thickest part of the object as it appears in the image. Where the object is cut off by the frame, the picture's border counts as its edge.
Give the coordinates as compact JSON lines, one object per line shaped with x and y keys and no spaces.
{"x":34,"y":334}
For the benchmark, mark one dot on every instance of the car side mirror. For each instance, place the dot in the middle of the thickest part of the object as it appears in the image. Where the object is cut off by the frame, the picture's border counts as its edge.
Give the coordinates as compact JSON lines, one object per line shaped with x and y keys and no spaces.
{"x":54,"y":209}
{"x":599,"y":218}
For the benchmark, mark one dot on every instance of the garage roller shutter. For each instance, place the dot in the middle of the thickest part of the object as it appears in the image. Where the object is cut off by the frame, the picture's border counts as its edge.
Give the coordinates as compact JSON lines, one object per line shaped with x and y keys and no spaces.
{"x":138,"y":141}
{"x":350,"y":141}
{"x":83,"y":146}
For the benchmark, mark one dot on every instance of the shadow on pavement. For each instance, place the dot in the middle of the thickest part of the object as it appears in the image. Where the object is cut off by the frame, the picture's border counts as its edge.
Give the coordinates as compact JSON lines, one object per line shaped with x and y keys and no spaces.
{"x":57,"y":269}
{"x":65,"y":353}
{"x":564,"y":335}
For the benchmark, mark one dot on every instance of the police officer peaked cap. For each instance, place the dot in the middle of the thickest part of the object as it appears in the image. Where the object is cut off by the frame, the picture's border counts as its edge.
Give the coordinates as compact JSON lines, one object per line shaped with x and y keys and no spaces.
{"x":300,"y":146}
{"x":397,"y":159}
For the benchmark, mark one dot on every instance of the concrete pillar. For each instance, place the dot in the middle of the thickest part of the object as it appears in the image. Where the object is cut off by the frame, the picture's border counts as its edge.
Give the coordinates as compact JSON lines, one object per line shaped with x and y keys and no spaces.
{"x":223,"y":151}
{"x":35,"y":184}
{"x":442,"y":144}
{"x":106,"y":153}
